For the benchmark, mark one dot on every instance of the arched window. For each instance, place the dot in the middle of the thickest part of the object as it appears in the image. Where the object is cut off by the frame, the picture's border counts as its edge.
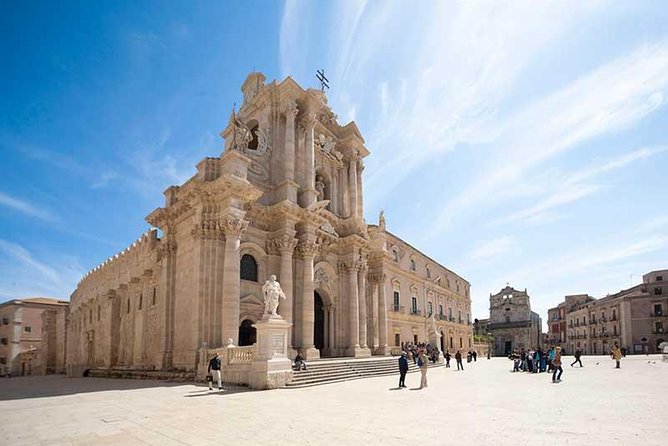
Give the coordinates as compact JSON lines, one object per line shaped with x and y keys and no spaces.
{"x":248,"y":268}
{"x":395,"y":255}
{"x":428,"y":273}
{"x":252,"y":144}
{"x":412,"y":265}
{"x":440,"y":310}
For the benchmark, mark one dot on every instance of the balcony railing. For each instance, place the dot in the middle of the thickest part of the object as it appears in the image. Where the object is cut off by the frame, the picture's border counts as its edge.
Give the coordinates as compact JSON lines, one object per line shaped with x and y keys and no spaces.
{"x":442,"y":317}
{"x":656,"y":314}
{"x":657,"y":331}
{"x":592,"y":322}
{"x":398,"y":308}
{"x":613,"y":318}
{"x":416,"y":311}
{"x":604,"y":335}
{"x":240,"y":355}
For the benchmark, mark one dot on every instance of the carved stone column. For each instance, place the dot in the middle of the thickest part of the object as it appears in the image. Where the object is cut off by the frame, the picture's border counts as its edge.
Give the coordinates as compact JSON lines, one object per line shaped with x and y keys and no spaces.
{"x":167,"y":254}
{"x":345,"y":192}
{"x":285,"y":245}
{"x":330,"y":327}
{"x":353,"y":308}
{"x":374,"y":311}
{"x":287,"y":188}
{"x":352,"y":186}
{"x":289,"y":154}
{"x":307,"y":250}
{"x":309,"y":193}
{"x":361,"y":283}
{"x":231,"y":280}
{"x":360,"y":194}
{"x":383,"y":349}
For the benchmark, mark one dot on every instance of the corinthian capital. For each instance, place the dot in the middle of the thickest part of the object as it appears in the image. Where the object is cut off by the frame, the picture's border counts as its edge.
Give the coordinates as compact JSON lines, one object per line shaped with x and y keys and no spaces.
{"x":291,"y":109}
{"x":234,"y":227}
{"x":309,"y":120}
{"x":282,"y":244}
{"x":308,"y":249}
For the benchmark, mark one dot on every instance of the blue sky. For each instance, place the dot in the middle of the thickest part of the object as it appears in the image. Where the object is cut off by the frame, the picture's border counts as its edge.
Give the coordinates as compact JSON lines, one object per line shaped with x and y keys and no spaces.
{"x":520,"y":142}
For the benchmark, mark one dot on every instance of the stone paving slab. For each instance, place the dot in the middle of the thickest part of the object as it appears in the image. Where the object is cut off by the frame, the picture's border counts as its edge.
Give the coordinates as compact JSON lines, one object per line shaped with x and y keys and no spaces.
{"x":481,"y":405}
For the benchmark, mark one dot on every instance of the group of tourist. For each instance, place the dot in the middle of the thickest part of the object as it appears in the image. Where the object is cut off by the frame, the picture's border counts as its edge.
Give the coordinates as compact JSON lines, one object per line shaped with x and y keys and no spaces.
{"x":421,"y":354}
{"x":536,"y":360}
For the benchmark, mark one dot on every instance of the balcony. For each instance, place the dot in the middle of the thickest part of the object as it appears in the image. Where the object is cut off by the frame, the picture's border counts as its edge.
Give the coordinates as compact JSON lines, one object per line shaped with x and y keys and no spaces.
{"x":656,"y":314}
{"x":451,"y":319}
{"x":593,"y":335}
{"x":592,"y":322}
{"x":416,"y":311}
{"x":398,"y":308}
{"x":604,"y":335}
{"x":442,"y":317}
{"x":658,"y":331}
{"x":603,"y":319}
{"x":613,"y":318}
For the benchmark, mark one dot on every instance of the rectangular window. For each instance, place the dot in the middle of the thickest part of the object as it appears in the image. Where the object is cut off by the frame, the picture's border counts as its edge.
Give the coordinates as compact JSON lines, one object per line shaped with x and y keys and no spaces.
{"x":27,"y":329}
{"x":659,"y":327}
{"x":451,"y":343}
{"x":98,"y":313}
{"x":430,"y":308}
{"x":658,"y":311}
{"x":397,"y":339}
{"x":141,"y":299}
{"x":414,"y":306}
{"x":90,"y":316}
{"x":614,"y":330}
{"x":440,"y":310}
{"x":657,"y":291}
{"x":396,"y":301}
{"x":5,"y":321}
{"x":128,"y":307}
{"x":659,"y":278}
{"x":3,"y":341}
{"x":461,"y":343}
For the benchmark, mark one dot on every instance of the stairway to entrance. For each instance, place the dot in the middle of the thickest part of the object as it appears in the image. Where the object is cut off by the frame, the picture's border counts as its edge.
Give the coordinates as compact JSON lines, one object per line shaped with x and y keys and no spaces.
{"x":327,"y":371}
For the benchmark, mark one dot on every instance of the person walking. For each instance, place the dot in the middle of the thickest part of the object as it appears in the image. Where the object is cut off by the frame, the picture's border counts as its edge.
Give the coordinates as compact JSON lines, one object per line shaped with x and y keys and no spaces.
{"x":577,"y":354}
{"x":423,"y":364}
{"x":447,"y":359}
{"x":475,"y":356}
{"x":616,"y":355}
{"x":403,"y":369}
{"x":458,"y":358}
{"x":214,"y":371}
{"x":556,"y":365}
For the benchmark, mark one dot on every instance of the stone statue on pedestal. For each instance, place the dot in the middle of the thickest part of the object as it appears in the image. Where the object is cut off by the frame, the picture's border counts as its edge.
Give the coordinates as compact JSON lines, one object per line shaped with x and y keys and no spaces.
{"x":272,"y":292}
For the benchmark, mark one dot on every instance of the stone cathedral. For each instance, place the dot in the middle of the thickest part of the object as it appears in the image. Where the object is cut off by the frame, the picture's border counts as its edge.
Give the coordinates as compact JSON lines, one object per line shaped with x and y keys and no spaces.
{"x":285,"y":198}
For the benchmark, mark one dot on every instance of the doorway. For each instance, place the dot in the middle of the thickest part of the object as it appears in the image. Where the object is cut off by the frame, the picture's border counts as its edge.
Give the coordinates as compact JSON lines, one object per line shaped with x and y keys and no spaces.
{"x":508,"y":348}
{"x":247,"y":333}
{"x":319,"y":322}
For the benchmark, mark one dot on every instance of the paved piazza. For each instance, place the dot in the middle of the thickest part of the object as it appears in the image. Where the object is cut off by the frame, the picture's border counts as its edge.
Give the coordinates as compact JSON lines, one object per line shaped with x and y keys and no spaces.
{"x":485,"y":403}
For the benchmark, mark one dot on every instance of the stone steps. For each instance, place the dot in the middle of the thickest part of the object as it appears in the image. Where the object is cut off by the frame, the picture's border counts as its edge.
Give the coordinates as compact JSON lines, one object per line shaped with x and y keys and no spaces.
{"x":332,"y":371}
{"x":175,"y":375}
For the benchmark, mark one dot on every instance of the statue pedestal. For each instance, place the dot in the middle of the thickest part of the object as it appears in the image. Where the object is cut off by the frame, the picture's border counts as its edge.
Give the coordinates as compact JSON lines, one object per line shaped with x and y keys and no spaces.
{"x":435,"y":341}
{"x":271,"y":368}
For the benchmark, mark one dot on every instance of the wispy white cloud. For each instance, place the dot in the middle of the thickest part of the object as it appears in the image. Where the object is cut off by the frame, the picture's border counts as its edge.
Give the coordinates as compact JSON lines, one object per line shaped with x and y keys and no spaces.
{"x":576,"y":186}
{"x":612,"y":97}
{"x":24,"y":275}
{"x":493,"y":248}
{"x":24,"y":207}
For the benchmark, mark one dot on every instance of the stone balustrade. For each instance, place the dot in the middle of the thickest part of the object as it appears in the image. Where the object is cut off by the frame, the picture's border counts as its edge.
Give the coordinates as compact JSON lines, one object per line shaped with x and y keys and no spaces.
{"x":240,"y":355}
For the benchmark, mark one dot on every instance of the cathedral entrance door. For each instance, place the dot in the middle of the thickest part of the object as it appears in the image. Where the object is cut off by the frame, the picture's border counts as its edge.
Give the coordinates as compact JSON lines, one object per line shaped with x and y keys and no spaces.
{"x":319,"y":323}
{"x":247,"y":334}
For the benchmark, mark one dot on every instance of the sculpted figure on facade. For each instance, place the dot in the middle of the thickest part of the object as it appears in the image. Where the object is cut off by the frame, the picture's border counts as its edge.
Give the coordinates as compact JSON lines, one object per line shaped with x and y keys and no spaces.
{"x":320,"y":187}
{"x":272,"y":292}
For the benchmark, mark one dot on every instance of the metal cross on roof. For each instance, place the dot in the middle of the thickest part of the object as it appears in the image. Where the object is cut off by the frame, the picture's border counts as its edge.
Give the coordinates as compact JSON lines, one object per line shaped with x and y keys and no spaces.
{"x":324,"y":82}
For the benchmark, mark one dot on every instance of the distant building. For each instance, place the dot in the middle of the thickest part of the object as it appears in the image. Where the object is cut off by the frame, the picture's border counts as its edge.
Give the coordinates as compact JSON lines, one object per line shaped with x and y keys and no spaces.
{"x":511,"y":322}
{"x":25,"y":325}
{"x":635,"y":318}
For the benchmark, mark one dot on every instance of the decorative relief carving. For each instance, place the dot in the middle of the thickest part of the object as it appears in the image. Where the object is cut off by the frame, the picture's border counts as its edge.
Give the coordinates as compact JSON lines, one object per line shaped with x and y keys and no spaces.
{"x":321,"y":279}
{"x":234,"y":227}
{"x":329,"y":229}
{"x":208,"y":230}
{"x":351,"y":266}
{"x":326,"y":146}
{"x":308,"y":121}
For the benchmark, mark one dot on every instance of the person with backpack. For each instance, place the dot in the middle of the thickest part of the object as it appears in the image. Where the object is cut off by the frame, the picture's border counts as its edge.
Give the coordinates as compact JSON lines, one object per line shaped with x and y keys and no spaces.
{"x":214,"y":372}
{"x":423,"y":364}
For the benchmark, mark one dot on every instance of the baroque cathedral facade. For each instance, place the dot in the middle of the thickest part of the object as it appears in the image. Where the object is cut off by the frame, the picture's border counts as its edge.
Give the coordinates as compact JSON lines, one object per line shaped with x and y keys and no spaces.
{"x":285,"y":198}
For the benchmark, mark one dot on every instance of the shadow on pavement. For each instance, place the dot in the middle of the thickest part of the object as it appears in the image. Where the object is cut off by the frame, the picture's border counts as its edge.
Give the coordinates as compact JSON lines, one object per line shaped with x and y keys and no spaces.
{"x":26,"y":387}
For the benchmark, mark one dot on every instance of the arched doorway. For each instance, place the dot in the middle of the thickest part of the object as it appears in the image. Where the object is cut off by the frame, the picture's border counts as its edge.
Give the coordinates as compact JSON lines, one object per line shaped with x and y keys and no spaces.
{"x":319,"y":322}
{"x":247,"y":334}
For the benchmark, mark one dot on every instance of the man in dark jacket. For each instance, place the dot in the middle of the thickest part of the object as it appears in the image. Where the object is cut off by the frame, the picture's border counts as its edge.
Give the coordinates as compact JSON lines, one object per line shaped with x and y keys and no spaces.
{"x":403,"y":368}
{"x":214,"y":372}
{"x":447,"y":358}
{"x":578,"y":354}
{"x":458,"y":358}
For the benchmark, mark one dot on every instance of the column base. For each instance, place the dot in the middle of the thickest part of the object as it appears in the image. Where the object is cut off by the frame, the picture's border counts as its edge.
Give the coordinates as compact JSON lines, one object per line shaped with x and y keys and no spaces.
{"x":382,"y":351}
{"x":286,"y":190}
{"x":310,"y":353}
{"x":358,"y":352}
